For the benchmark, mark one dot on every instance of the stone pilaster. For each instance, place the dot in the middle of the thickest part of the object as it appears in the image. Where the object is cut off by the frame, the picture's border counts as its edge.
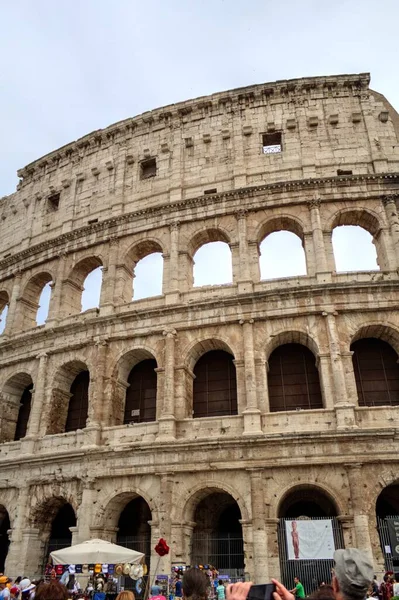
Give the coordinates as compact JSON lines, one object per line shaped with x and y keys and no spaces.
{"x":391,"y":210}
{"x":247,"y":536}
{"x":85,"y":510}
{"x":273,"y":559}
{"x":359,"y":510}
{"x":252,"y":417}
{"x":243,"y":278}
{"x":318,"y":240}
{"x":259,"y":533}
{"x":38,"y":397}
{"x":167,"y":420}
{"x":55,"y":312}
{"x":107,"y":297}
{"x":171,"y":282}
{"x":12,"y":320}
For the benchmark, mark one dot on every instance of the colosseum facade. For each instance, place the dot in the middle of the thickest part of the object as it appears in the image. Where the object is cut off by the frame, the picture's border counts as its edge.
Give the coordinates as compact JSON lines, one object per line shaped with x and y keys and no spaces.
{"x":207,"y":415}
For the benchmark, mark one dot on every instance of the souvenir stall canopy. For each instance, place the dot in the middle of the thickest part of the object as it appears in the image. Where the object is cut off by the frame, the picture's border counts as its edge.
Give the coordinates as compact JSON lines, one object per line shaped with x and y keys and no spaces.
{"x":96,"y":551}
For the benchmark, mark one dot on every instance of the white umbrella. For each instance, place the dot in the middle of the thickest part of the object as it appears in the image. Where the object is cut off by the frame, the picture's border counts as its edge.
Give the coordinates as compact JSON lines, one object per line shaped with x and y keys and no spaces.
{"x":95,"y":551}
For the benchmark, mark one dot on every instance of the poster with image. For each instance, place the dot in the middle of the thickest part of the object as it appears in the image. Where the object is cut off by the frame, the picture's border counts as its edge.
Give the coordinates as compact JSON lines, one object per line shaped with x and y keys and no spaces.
{"x":311,"y":539}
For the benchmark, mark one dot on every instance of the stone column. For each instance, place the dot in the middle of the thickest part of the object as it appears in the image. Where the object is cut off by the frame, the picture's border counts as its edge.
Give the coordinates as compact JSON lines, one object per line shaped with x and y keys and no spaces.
{"x":38,"y":398}
{"x":259,"y":534}
{"x":348,"y":530}
{"x":12,"y":321}
{"x":243,"y":278}
{"x":14,"y":563}
{"x":321,"y":264}
{"x":308,"y":246}
{"x":360,"y":516}
{"x":171,"y":271}
{"x":56,"y":312}
{"x":247,"y":537}
{"x":95,"y":409}
{"x":252,"y":417}
{"x":187,"y":536}
{"x":345,"y":410}
{"x":31,"y":556}
{"x":84,"y":513}
{"x":167,"y":420}
{"x":273,"y":558}
{"x":107,"y":297}
{"x":253,"y":258}
{"x":109,"y":533}
{"x":262,"y":388}
{"x":165,"y":523}
{"x":391,"y":210}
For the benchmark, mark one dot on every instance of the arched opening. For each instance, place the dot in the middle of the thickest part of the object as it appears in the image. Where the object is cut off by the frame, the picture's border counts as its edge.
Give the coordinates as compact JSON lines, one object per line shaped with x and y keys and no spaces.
{"x":148,"y":274}
{"x":4,"y":540}
{"x":308,"y":533}
{"x":60,"y":534}
{"x":92,"y":289}
{"x":282,"y":255}
{"x":217,"y":536}
{"x":4,"y":301}
{"x":82,"y":288}
{"x":78,"y":403}
{"x":354,"y":249}
{"x":16,"y":406}
{"x":387,"y":512}
{"x":376,"y":368}
{"x":70,"y":396}
{"x":213,"y":264}
{"x":141,"y":395}
{"x":293,"y":379}
{"x":215,"y":385}
{"x":134,"y":531}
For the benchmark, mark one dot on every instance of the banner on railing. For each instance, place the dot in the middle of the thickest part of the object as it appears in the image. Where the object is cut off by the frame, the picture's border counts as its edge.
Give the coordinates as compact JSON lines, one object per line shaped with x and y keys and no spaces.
{"x":309,"y":539}
{"x":393,"y":530}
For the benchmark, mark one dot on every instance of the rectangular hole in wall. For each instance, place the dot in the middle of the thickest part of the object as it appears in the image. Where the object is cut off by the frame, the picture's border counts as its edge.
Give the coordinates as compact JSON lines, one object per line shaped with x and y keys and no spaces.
{"x":211,"y":191}
{"x":148,"y":168}
{"x":53,"y":202}
{"x":344,"y":172}
{"x":272,"y":143}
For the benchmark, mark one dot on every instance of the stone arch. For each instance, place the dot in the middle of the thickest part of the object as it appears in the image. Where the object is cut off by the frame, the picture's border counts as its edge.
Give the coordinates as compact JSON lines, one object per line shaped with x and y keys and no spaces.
{"x":370,"y":222}
{"x":73,"y":285}
{"x":63,"y":379}
{"x":109,"y":511}
{"x":206,"y":236}
{"x":44,"y":512}
{"x":286,"y":498}
{"x":125,"y":362}
{"x":191,"y":498}
{"x":15,"y":406}
{"x":292,"y":336}
{"x":383,"y":331}
{"x":280,"y":223}
{"x":29,"y":300}
{"x":198,"y":348}
{"x":127,"y":271}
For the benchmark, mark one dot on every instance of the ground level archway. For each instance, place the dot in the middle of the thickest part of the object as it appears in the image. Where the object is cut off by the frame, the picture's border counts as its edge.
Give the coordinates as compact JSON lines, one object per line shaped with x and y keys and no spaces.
{"x":4,"y":540}
{"x":308,"y":534}
{"x":217,"y":535}
{"x":387,"y":514}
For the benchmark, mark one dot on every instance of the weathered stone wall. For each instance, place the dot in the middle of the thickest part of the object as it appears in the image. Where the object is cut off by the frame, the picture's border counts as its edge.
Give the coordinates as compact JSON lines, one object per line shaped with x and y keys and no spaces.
{"x":108,"y":216}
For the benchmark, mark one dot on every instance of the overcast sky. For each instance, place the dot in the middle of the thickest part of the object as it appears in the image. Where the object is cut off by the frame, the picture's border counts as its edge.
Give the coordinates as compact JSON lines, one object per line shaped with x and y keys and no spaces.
{"x":70,"y":67}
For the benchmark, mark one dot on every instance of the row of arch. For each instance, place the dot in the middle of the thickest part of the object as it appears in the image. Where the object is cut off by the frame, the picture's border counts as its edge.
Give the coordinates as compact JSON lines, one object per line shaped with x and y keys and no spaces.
{"x":293,"y":384}
{"x":214,"y":513}
{"x":282,"y":250}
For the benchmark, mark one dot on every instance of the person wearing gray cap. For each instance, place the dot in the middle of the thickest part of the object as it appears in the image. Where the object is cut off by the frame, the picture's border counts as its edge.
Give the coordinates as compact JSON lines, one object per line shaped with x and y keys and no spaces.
{"x":353,"y":574}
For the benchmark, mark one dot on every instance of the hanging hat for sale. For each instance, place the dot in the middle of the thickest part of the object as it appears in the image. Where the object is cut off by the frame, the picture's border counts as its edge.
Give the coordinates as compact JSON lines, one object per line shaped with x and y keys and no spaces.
{"x":85,"y":568}
{"x":97,"y":568}
{"x":78,"y":568}
{"x":59,"y":569}
{"x":136,"y":572}
{"x":126,"y":569}
{"x":118,"y":570}
{"x":72,"y":569}
{"x":104,"y":568}
{"x":111,"y":569}
{"x":145,"y":570}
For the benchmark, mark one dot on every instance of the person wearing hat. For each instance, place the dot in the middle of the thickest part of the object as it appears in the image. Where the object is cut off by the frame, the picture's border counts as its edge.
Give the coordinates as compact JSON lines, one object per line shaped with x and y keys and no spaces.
{"x":4,"y":590}
{"x":353,"y":574}
{"x":27,"y":589}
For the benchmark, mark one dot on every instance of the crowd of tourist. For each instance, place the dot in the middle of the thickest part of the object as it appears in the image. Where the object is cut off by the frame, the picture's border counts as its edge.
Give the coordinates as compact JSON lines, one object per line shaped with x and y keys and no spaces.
{"x":352,"y":579}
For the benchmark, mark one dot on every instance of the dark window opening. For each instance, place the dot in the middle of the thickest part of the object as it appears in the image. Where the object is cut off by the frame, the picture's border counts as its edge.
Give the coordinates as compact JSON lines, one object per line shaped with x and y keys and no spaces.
{"x":141,"y":395}
{"x":376,"y":372}
{"x":293,"y":379}
{"x":60,"y":534}
{"x":5,"y":526}
{"x":23,"y":414}
{"x":272,"y":143}
{"x":92,"y":221}
{"x":79,"y":402}
{"x":53,"y":202}
{"x":148,"y":168}
{"x":211,"y":191}
{"x":215,"y":386}
{"x":344,"y":172}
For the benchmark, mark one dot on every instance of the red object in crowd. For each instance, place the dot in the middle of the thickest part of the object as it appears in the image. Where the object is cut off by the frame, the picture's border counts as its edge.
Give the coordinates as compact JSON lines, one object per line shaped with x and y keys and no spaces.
{"x":162,"y":547}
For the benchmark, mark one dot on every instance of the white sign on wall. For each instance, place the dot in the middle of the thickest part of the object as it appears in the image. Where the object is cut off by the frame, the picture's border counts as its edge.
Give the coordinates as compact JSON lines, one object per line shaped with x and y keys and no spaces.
{"x":309,"y":539}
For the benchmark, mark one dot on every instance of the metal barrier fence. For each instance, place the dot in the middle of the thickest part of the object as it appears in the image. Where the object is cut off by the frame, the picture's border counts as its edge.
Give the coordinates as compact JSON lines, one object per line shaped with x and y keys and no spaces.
{"x":225,"y":552}
{"x":382,"y":527}
{"x":311,"y":572}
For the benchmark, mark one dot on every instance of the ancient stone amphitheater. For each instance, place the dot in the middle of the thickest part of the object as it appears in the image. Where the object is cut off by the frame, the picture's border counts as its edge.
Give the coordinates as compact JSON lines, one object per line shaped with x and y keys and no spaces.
{"x":211,"y":416}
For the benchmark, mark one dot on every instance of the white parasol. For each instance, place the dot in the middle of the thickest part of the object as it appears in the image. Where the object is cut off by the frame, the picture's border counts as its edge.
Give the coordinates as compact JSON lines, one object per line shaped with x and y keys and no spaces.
{"x":95,"y":551}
